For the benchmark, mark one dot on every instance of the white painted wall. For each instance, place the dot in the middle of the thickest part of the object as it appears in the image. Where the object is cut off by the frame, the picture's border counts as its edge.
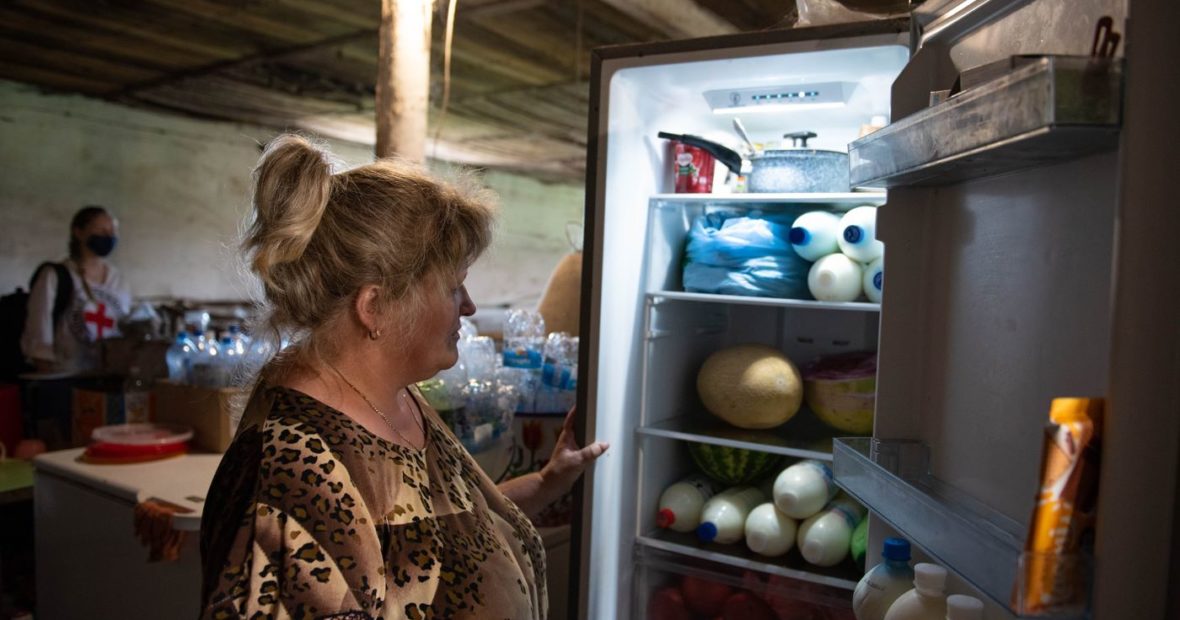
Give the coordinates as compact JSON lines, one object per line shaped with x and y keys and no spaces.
{"x":180,"y":188}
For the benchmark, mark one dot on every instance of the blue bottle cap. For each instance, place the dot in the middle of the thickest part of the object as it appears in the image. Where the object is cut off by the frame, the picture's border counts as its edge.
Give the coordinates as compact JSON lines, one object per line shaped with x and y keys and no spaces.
{"x":707,"y":531}
{"x":798,"y":236}
{"x":897,"y":549}
{"x":853,"y":234}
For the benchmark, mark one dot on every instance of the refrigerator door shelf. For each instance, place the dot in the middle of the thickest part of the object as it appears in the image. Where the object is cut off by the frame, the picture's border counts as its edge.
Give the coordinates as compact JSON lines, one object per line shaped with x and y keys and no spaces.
{"x":803,"y":436}
{"x":686,"y":549}
{"x":1055,"y":109}
{"x":892,"y":479}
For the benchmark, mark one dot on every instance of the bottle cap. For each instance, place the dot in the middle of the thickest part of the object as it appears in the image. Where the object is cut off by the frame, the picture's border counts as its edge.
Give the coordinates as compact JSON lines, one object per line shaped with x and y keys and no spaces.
{"x":853,"y":234}
{"x":963,"y":607}
{"x":798,"y":236}
{"x":707,"y":531}
{"x":929,"y":579}
{"x":665,"y":518}
{"x":896,"y":549}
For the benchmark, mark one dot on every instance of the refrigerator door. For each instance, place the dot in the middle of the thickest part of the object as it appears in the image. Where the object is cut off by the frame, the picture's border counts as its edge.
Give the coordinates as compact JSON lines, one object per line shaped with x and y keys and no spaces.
{"x":637,"y":91}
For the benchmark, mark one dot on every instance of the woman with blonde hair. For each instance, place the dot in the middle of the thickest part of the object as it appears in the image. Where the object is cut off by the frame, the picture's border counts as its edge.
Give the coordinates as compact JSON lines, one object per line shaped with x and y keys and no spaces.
{"x":343,"y":495}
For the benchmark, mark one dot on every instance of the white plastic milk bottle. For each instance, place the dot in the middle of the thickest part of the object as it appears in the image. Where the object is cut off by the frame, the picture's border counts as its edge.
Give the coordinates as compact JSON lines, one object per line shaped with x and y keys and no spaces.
{"x":963,"y":607}
{"x":804,"y":488}
{"x":858,"y":237}
{"x":823,"y":539}
{"x":927,"y":601}
{"x":880,"y":587}
{"x":723,"y":519}
{"x":769,"y":532}
{"x":874,"y":279}
{"x":835,"y":277}
{"x":813,"y":235}
{"x":681,"y":504}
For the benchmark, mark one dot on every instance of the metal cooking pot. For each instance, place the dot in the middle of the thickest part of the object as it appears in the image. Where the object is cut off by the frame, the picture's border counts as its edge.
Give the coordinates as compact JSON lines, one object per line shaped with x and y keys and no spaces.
{"x":799,"y":169}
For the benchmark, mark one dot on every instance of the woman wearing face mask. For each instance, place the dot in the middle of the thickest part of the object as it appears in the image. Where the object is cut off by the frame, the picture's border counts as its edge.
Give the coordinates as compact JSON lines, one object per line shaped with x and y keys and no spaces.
{"x":66,"y":340}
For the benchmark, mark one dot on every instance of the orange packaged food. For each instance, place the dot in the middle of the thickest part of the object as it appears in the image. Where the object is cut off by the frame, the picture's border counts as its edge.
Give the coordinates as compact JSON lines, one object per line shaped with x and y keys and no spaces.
{"x":1052,"y":573}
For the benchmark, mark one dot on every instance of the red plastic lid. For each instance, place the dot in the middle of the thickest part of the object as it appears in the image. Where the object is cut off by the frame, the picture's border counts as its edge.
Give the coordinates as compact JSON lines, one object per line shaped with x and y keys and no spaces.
{"x":142,"y":435}
{"x":127,"y":453}
{"x":665,"y":518}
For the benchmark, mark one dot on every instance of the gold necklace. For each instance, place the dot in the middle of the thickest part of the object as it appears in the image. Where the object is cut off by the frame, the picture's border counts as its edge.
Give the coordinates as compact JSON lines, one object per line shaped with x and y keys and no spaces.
{"x":421,"y":427}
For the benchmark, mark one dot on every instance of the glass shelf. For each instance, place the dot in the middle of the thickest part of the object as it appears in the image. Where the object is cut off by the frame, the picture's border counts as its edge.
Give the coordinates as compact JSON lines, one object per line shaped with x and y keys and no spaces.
{"x":892,"y":479}
{"x":851,"y":306}
{"x":840,"y":202}
{"x":804,"y":436}
{"x":1049,"y":109}
{"x":844,"y":576}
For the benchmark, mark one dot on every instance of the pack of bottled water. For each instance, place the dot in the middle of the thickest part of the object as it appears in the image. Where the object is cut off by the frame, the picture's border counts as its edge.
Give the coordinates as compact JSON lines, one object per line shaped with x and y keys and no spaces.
{"x":197,"y":357}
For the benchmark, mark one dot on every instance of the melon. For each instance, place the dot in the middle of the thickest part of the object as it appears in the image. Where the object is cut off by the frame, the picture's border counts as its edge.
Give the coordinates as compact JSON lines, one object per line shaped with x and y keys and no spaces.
{"x":731,"y":466}
{"x":750,"y":386}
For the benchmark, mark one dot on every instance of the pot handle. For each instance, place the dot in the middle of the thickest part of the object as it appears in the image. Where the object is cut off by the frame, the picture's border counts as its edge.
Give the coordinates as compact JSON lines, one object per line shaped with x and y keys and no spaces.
{"x":799,"y":138}
{"x":725,"y":155}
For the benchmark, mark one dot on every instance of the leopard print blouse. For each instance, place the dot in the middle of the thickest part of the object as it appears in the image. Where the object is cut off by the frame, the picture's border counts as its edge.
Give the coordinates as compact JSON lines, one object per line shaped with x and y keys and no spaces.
{"x":312,"y":516}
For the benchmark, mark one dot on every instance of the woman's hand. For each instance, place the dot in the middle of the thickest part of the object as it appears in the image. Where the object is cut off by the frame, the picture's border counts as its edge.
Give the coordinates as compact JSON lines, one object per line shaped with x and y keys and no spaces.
{"x":533,"y":492}
{"x":568,"y":460}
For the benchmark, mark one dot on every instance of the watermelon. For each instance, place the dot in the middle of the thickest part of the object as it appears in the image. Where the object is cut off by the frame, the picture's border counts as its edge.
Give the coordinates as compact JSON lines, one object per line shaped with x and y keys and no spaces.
{"x":732,"y":466}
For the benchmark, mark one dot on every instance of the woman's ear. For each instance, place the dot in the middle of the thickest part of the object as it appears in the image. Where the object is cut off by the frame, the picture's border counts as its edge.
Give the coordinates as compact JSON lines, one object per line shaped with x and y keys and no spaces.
{"x":368,"y":310}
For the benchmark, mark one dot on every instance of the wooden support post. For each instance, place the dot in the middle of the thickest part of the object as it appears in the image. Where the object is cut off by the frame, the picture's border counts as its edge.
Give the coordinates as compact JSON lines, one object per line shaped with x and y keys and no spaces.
{"x":403,"y":78}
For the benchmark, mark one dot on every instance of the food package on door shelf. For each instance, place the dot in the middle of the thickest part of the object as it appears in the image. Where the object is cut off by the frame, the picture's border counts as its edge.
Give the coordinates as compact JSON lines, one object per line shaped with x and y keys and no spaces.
{"x":842,"y":390}
{"x":749,"y":255}
{"x":750,"y":386}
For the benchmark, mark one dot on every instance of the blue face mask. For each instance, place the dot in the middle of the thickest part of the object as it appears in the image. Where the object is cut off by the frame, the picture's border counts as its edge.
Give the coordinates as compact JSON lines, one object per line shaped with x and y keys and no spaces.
{"x":101,"y":245}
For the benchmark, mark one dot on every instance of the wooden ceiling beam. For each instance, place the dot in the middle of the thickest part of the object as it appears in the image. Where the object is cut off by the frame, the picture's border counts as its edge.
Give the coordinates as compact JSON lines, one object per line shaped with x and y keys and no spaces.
{"x":680,"y":19}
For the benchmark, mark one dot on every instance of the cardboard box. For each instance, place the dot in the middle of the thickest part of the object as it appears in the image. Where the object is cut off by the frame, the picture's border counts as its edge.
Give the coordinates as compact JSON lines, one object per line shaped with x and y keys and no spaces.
{"x":210,"y":412}
{"x":120,"y":355}
{"x":92,"y":408}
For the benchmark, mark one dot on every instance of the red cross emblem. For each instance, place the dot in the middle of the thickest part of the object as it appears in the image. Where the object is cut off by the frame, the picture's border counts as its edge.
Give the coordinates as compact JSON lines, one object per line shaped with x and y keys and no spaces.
{"x":100,"y":320}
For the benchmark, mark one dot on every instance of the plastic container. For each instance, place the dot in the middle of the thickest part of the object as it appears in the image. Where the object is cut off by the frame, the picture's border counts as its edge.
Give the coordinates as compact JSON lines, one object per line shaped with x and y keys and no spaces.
{"x":835,"y":277}
{"x":883,"y":585}
{"x":858,"y":236}
{"x":681,"y":504}
{"x":823,"y":539}
{"x":769,"y":532}
{"x":963,"y":607}
{"x":723,"y":518}
{"x":927,"y":599}
{"x":813,"y":235}
{"x":804,"y":488}
{"x":873,"y":280}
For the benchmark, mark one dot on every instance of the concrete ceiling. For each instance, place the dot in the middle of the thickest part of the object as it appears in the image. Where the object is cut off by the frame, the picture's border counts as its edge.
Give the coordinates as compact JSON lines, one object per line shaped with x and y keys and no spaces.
{"x":519,"y":92}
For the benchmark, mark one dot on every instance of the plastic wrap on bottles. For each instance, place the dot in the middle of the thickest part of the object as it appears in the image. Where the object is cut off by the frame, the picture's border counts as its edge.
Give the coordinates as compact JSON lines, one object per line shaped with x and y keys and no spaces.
{"x":744,"y":255}
{"x":479,"y":356}
{"x":467,"y":328}
{"x":524,"y":338}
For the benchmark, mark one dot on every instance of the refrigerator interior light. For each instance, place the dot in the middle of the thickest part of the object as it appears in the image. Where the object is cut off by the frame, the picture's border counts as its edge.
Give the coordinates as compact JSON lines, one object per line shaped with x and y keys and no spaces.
{"x":780,"y":98}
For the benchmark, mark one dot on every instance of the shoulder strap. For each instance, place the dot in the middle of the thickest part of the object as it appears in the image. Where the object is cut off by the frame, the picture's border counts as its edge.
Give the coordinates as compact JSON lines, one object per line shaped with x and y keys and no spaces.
{"x":65,"y":288}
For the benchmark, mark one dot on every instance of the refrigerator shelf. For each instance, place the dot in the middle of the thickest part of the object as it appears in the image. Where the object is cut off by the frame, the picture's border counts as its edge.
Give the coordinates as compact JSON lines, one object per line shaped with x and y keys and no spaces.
{"x":802,"y":437}
{"x":1049,"y":109}
{"x":892,"y":479}
{"x":843,"y":576}
{"x":658,"y":297}
{"x":840,"y":201}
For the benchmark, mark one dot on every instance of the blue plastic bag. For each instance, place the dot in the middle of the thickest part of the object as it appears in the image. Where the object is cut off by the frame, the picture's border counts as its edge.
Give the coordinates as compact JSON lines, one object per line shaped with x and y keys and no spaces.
{"x":744,"y":255}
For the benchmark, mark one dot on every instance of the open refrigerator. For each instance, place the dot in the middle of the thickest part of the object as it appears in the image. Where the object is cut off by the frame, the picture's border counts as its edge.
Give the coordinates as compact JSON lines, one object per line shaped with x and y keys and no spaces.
{"x":997,"y":209}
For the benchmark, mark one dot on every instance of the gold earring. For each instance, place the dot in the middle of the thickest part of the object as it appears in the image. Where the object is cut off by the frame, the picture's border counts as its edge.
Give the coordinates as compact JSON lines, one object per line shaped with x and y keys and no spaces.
{"x":374,"y":334}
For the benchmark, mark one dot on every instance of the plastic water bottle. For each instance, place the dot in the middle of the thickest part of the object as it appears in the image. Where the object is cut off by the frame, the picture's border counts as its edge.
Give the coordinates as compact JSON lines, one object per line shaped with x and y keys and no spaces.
{"x":804,"y":488}
{"x":205,"y":363}
{"x":823,"y":539}
{"x":769,"y":532}
{"x":228,"y":363}
{"x":927,"y":601}
{"x":524,"y":338}
{"x":723,"y":518}
{"x":179,"y":358}
{"x":681,"y":504}
{"x":874,"y":280}
{"x":858,"y":237}
{"x":835,"y":277}
{"x":238,"y":340}
{"x":883,"y":585}
{"x":813,"y":235}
